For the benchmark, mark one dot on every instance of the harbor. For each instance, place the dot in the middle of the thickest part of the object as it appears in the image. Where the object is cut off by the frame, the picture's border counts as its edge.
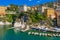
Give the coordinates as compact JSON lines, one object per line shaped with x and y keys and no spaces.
{"x":12,"y":34}
{"x":30,"y":20}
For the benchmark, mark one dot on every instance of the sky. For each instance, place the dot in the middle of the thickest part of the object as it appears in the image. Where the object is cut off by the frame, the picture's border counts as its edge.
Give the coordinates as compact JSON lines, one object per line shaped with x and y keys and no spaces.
{"x":23,"y":2}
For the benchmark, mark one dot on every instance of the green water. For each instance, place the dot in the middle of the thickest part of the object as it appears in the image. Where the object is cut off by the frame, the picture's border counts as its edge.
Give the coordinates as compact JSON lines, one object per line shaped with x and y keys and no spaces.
{"x":10,"y":34}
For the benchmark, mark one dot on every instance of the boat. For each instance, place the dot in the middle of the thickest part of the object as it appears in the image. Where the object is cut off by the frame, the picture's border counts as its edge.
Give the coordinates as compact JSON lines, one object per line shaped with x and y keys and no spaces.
{"x":29,"y":32}
{"x":25,"y":28}
{"x":2,"y":23}
{"x":17,"y":25}
{"x":7,"y":23}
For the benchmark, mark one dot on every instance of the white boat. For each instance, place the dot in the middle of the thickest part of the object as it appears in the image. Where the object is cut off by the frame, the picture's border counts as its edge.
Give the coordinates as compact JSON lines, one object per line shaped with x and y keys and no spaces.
{"x":22,"y":26}
{"x":7,"y":23}
{"x":2,"y":23}
{"x":17,"y":25}
{"x":27,"y":28}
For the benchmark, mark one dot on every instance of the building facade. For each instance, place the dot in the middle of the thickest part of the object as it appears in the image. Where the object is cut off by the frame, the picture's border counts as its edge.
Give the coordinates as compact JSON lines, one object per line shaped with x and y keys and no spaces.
{"x":56,"y":4}
{"x":51,"y":13}
{"x":58,"y":15}
{"x":42,"y":8}
{"x":3,"y":10}
{"x":24,"y":8}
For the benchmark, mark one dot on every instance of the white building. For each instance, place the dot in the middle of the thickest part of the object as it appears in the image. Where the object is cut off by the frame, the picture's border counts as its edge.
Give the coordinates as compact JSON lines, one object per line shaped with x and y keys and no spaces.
{"x":23,"y":8}
{"x":42,"y":8}
{"x":57,"y":3}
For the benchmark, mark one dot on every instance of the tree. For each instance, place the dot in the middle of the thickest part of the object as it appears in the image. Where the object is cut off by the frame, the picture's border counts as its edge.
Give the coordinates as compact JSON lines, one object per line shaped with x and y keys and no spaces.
{"x":13,"y":7}
{"x":36,"y":17}
{"x":9,"y":17}
{"x":50,"y":4}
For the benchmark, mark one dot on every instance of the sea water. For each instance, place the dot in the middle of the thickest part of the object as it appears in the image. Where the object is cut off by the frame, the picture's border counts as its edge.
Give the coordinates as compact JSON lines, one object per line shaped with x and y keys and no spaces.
{"x":10,"y":34}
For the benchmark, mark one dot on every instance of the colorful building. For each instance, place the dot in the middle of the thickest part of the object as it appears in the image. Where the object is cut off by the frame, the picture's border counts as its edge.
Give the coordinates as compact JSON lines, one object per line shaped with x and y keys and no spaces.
{"x":58,"y":15}
{"x":3,"y":10}
{"x":42,"y":8}
{"x":57,"y":3}
{"x":23,"y":8}
{"x":51,"y":13}
{"x":34,"y":8}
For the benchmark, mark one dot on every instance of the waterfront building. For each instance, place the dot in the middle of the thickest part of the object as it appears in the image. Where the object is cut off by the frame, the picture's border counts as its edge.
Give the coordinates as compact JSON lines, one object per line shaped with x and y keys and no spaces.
{"x":57,"y":5}
{"x":52,"y":16}
{"x":3,"y":10}
{"x":24,"y":8}
{"x":58,"y":15}
{"x":28,"y":8}
{"x":51,"y":13}
{"x":34,"y":8}
{"x":42,"y":8}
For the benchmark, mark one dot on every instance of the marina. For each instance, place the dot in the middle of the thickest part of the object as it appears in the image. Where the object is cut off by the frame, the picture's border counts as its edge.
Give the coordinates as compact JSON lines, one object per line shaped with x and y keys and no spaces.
{"x":12,"y":34}
{"x":19,"y":32}
{"x":30,"y":20}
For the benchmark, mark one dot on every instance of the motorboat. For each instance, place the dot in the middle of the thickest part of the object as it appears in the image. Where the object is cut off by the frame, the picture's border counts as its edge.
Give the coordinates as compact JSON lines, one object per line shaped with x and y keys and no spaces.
{"x":25,"y":28}
{"x":2,"y":23}
{"x":17,"y":25}
{"x":7,"y":23}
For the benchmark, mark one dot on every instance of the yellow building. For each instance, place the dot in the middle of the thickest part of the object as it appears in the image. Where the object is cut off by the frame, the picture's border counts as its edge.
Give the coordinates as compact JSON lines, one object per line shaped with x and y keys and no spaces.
{"x":3,"y":10}
{"x":51,"y":13}
{"x":43,"y":8}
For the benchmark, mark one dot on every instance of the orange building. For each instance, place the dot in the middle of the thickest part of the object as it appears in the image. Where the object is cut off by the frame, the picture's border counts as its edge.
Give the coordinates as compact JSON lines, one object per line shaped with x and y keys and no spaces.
{"x":3,"y":10}
{"x":33,"y":8}
{"x":51,"y":13}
